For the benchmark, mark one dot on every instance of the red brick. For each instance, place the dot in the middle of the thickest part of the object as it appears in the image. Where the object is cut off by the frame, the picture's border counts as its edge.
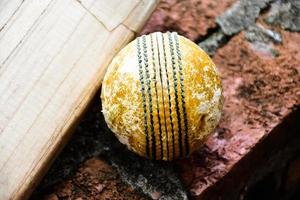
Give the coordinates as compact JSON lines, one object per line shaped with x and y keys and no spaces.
{"x":96,"y":179}
{"x":260,"y":91}
{"x":191,"y":18}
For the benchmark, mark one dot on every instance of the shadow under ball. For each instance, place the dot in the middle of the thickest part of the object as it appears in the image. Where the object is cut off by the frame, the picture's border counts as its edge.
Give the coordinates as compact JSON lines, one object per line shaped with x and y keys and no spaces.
{"x":162,"y":96}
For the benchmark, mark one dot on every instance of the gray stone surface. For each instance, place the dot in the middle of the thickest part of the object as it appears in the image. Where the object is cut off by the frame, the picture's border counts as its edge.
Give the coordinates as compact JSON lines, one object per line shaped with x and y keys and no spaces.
{"x":241,"y":15}
{"x":150,"y":177}
{"x":213,"y":42}
{"x":286,"y":14}
{"x":265,"y":48}
{"x":257,"y":33}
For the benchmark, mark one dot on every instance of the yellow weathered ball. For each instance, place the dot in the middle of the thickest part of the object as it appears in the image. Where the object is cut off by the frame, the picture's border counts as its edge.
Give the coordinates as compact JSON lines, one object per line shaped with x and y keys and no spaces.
{"x":162,"y":96}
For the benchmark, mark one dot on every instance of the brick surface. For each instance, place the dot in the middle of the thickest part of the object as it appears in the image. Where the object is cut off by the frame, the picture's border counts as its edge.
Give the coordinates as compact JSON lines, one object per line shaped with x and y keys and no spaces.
{"x":191,"y":18}
{"x":95,"y":179}
{"x":260,"y":91}
{"x":251,"y":155}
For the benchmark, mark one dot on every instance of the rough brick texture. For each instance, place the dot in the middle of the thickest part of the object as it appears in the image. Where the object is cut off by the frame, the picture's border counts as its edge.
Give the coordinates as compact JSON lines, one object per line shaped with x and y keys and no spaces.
{"x":95,"y":179}
{"x":253,"y":154}
{"x":260,"y":91}
{"x":191,"y":18}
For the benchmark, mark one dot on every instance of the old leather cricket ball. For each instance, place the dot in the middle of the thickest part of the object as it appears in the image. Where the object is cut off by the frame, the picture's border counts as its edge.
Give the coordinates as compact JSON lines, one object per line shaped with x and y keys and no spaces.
{"x":162,"y":96}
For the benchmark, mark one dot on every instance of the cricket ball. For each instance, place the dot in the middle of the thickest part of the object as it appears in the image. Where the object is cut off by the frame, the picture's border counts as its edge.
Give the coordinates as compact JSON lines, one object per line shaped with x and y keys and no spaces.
{"x":162,"y":96}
